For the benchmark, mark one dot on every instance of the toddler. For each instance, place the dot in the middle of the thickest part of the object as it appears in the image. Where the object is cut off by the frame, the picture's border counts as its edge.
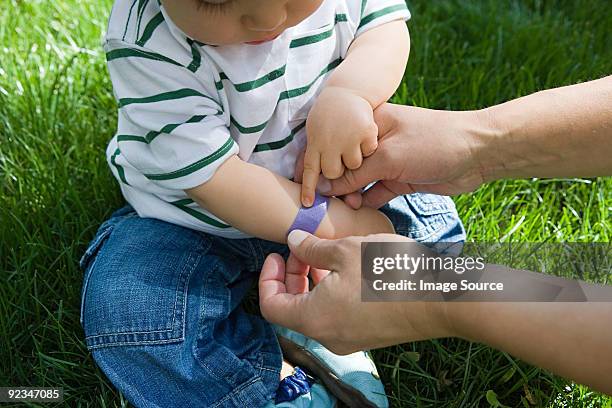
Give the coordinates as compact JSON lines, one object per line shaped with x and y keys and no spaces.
{"x":216,"y":101}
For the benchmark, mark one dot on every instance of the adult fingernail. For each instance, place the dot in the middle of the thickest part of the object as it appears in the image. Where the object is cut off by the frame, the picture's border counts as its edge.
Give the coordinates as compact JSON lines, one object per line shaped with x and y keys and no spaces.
{"x":323,"y":186}
{"x":296,"y":237}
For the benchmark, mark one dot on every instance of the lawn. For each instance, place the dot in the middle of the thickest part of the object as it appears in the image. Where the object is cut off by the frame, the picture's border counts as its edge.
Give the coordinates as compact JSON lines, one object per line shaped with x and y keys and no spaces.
{"x":57,"y":112}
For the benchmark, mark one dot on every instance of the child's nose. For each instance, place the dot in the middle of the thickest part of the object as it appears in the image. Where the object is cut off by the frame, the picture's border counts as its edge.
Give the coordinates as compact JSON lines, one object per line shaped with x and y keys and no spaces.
{"x":267,"y":16}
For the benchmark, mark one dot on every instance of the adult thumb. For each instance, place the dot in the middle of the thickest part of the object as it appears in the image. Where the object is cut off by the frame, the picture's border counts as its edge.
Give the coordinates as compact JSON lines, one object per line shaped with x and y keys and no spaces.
{"x":316,"y":252}
{"x":372,"y":169}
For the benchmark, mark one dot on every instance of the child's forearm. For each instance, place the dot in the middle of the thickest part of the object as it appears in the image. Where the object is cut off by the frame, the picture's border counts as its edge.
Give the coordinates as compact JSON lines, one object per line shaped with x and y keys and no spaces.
{"x":375,"y":63}
{"x":263,"y":204}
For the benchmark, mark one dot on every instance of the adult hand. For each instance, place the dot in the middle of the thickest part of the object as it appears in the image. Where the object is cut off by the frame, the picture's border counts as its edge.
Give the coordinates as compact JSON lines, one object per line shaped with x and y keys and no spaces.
{"x":562,"y":132}
{"x":333,"y":312}
{"x":419,"y":150}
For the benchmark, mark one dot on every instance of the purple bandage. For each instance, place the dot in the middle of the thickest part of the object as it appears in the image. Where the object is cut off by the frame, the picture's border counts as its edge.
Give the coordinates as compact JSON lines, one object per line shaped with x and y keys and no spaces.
{"x":309,"y":218}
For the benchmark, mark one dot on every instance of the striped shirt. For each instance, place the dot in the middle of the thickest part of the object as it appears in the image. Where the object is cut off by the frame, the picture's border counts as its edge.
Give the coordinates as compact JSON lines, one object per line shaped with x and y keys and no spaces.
{"x":186,"y":107}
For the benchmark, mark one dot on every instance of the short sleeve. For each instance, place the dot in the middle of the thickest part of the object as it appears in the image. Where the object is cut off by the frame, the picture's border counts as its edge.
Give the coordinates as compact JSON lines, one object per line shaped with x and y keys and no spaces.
{"x":377,"y":12}
{"x":171,"y":129}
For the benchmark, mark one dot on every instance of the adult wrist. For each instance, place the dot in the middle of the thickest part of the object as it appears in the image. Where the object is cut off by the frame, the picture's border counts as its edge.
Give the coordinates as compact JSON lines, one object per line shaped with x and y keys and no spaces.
{"x":423,"y":321}
{"x":487,"y":138}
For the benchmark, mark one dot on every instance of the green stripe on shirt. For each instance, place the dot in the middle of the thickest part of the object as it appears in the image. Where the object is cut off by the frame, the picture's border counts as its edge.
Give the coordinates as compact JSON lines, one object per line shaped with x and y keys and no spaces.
{"x":166,"y":129}
{"x":280,"y":143}
{"x":312,"y":39}
{"x":182,"y":205}
{"x":165,"y":96}
{"x":195,"y":55}
{"x":292,"y":93}
{"x":363,"y":6}
{"x":251,"y":85}
{"x":150,"y":28}
{"x":193,"y":167}
{"x":120,"y":170}
{"x":382,"y":12}
{"x":133,"y":52}
{"x":248,"y":130}
{"x":127,"y":23}
{"x":140,"y":14}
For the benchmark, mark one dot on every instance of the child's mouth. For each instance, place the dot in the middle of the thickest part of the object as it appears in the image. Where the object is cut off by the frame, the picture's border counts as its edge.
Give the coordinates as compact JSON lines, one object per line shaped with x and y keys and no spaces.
{"x":262,"y":41}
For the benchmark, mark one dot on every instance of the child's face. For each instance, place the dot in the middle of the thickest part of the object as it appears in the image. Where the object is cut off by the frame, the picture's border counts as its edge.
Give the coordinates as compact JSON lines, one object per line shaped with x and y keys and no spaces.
{"x":223,"y":22}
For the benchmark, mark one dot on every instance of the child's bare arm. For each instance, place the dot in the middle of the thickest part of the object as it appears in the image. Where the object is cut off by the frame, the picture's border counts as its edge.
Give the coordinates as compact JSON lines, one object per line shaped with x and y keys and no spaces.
{"x":375,"y":63}
{"x":263,"y":204}
{"x":341,"y":129}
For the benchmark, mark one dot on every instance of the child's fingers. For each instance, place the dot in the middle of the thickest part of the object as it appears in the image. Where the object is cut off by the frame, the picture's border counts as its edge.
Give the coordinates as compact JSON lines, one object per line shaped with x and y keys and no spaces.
{"x":352,"y":160}
{"x":331,"y":165}
{"x":310,"y":178}
{"x":368,"y":147}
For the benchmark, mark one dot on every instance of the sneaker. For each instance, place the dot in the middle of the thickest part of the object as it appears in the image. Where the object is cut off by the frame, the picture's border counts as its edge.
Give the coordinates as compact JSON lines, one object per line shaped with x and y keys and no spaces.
{"x":318,"y":397}
{"x":353,"y":378}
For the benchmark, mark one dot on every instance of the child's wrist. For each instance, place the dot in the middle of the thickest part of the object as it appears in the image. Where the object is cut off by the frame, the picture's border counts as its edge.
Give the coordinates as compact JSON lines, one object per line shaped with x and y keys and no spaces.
{"x":334,"y":89}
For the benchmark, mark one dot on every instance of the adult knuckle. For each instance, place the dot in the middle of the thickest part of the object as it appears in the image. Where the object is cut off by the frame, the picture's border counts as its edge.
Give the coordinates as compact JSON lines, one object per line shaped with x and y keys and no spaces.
{"x":350,"y":177}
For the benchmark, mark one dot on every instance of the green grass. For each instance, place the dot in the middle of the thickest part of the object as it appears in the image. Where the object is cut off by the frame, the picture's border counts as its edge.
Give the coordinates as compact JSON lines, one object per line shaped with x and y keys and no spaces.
{"x":57,"y":112}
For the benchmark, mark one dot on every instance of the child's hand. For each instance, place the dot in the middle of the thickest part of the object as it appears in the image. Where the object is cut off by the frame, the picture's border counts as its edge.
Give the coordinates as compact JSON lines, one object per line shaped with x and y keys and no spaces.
{"x":340,"y":132}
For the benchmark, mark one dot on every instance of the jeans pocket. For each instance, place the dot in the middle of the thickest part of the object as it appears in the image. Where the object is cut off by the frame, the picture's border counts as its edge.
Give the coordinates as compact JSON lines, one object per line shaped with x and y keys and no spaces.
{"x":137,"y":282}
{"x":88,"y":258}
{"x":425,"y":218}
{"x":430,"y":204}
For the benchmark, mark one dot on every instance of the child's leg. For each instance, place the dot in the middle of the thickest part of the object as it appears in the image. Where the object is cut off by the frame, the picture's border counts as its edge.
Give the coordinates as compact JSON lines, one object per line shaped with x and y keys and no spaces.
{"x":160,"y":309}
{"x":425,"y":218}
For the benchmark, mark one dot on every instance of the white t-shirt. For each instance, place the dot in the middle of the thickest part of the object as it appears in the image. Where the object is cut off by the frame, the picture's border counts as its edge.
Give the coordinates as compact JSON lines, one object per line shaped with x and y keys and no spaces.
{"x":186,"y":107}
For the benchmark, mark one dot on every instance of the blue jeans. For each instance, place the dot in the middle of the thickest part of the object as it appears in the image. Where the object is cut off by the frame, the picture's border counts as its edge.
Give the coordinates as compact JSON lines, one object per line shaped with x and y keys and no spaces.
{"x":161,"y":306}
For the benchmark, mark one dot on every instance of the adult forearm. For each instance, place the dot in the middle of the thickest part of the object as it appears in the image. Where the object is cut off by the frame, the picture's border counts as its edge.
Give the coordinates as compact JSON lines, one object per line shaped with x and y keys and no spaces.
{"x":562,"y":132}
{"x":263,"y":204}
{"x":569,"y":339}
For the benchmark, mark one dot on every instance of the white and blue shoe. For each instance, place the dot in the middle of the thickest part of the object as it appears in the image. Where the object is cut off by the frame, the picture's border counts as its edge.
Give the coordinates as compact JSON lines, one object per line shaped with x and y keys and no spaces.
{"x":317,"y":397}
{"x":353,"y":378}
